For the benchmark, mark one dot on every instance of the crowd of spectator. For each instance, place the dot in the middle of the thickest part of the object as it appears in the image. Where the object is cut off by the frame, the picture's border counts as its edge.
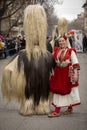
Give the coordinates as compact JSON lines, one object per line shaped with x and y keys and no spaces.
{"x":11,"y":46}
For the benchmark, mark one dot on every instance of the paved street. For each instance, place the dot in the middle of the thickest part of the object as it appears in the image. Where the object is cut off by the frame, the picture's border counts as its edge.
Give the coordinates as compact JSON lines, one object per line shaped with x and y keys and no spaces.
{"x":10,"y":119}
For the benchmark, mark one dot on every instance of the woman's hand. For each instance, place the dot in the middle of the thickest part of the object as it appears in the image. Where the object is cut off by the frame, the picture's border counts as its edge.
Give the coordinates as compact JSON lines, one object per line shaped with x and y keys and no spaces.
{"x":76,"y":75}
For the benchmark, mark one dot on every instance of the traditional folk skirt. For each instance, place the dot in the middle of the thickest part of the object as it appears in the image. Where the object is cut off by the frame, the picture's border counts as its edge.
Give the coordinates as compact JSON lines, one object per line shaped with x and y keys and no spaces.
{"x":65,"y":93}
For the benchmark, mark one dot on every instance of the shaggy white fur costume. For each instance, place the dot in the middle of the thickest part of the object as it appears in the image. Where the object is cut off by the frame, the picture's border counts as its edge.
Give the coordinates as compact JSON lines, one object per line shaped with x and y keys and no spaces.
{"x":26,"y":77}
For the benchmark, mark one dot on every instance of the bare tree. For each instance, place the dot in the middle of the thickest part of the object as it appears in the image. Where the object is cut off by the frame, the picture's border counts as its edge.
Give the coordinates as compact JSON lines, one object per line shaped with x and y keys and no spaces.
{"x":75,"y":25}
{"x":10,"y":8}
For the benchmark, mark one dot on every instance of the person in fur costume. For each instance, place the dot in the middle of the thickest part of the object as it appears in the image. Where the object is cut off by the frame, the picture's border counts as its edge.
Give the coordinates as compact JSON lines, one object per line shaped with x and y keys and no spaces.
{"x":26,"y":77}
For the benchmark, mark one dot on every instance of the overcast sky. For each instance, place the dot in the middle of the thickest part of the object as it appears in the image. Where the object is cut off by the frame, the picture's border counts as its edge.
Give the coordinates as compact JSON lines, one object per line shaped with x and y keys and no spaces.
{"x":69,"y":9}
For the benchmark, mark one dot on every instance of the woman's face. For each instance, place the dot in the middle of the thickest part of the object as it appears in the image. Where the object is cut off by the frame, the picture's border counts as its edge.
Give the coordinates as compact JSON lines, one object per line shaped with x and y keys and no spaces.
{"x":62,"y":43}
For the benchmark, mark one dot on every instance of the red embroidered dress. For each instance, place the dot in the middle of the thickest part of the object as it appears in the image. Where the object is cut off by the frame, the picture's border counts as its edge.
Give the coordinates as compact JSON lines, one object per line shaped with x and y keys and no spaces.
{"x":62,"y":80}
{"x":62,"y":84}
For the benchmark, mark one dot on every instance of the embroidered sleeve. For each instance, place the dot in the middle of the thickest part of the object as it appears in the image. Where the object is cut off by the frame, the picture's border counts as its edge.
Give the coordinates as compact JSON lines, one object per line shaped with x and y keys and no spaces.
{"x":74,"y":60}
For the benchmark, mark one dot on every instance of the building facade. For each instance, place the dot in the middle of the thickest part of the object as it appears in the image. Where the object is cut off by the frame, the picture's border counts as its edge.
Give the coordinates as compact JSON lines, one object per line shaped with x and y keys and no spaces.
{"x":85,"y":17}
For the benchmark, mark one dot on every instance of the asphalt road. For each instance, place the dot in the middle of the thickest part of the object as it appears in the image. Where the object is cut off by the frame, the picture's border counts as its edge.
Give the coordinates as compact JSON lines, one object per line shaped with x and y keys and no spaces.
{"x":10,"y":119}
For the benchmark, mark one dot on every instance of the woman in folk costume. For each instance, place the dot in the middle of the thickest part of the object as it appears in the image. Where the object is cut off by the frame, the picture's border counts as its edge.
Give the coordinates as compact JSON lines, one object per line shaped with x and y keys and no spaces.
{"x":26,"y":77}
{"x":64,"y":82}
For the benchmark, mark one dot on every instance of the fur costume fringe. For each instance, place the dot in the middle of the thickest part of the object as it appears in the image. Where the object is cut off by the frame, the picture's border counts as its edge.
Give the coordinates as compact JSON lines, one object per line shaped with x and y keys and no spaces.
{"x":35,"y":27}
{"x":13,"y":83}
{"x":62,"y":26}
{"x":26,"y":77}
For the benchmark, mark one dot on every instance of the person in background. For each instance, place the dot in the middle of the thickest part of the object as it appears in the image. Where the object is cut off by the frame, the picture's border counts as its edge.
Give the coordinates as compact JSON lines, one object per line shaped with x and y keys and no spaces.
{"x":84,"y":43}
{"x":1,"y":45}
{"x":19,"y":41}
{"x":64,"y":82}
{"x":2,"y":49}
{"x":71,"y":41}
{"x":48,"y":44}
{"x":23,"y":43}
{"x":54,"y":41}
